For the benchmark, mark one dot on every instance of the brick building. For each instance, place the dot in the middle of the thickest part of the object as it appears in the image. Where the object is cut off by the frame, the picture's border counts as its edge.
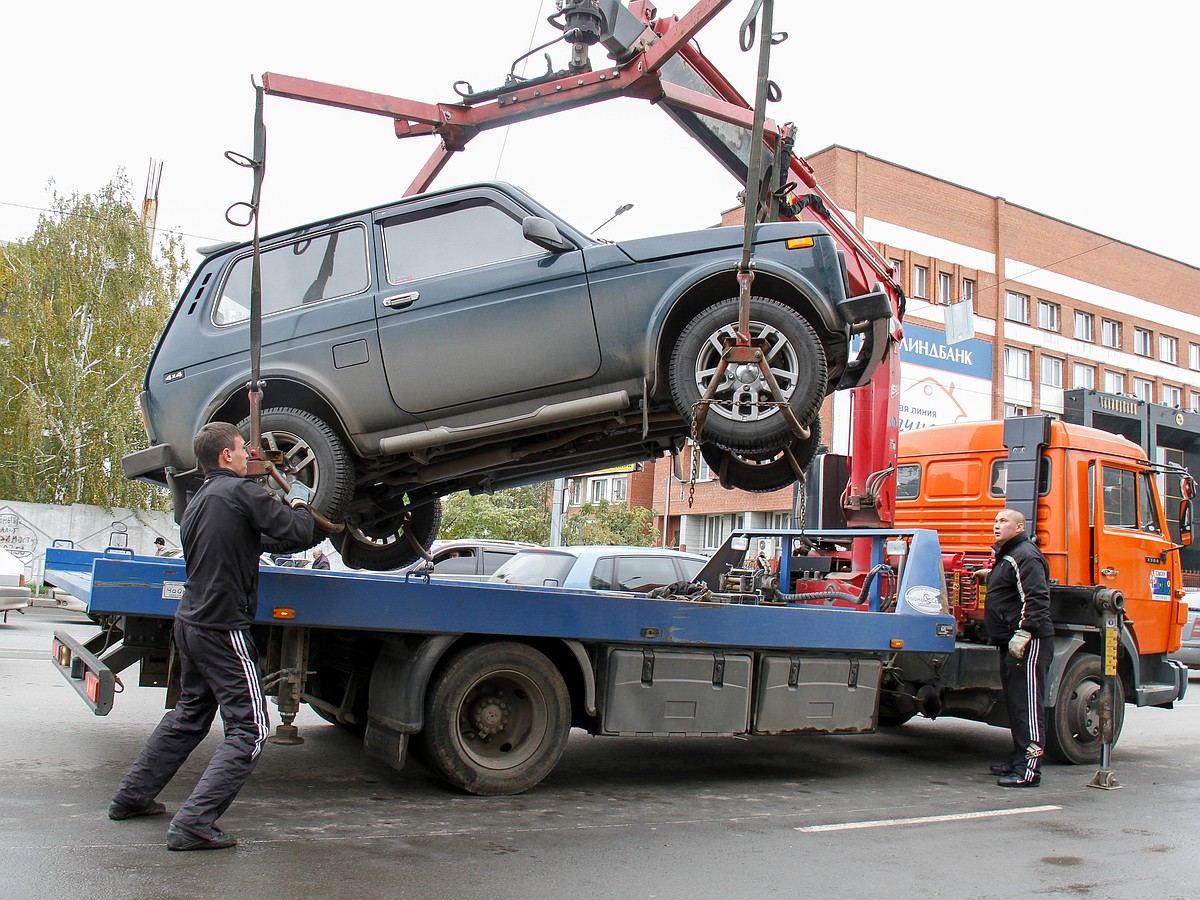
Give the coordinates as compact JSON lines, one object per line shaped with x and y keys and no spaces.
{"x":1035,"y":307}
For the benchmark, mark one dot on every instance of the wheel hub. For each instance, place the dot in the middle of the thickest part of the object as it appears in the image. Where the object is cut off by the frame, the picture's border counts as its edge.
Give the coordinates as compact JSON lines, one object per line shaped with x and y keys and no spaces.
{"x":489,"y":716}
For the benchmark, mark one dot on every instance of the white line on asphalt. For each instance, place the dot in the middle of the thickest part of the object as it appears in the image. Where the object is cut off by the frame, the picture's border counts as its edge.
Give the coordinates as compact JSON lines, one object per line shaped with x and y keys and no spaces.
{"x":926,"y":820}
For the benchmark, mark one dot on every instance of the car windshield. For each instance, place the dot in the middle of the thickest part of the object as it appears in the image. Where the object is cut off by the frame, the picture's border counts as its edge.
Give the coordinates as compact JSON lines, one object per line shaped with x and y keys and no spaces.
{"x":542,"y":569}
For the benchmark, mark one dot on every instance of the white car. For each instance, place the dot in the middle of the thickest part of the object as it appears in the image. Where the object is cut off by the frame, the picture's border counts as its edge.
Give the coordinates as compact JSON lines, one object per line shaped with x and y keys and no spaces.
{"x":13,"y":592}
{"x":627,"y":569}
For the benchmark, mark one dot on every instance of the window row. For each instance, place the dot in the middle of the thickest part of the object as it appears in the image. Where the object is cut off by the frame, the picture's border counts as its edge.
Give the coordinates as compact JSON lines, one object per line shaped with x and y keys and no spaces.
{"x":919,"y":287}
{"x":1049,"y":318}
{"x":1017,"y":365}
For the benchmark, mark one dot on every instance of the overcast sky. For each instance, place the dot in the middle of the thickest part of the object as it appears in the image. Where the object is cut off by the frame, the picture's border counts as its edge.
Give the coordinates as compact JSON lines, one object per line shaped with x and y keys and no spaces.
{"x":1082,"y":111}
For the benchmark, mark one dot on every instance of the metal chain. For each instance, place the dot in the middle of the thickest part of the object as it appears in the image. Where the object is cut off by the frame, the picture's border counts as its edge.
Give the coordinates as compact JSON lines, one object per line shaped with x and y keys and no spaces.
{"x":695,"y":436}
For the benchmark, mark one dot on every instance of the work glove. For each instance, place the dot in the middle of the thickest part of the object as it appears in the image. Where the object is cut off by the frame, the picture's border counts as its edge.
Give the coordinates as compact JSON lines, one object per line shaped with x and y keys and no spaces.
{"x":1018,"y":643}
{"x":298,"y":491}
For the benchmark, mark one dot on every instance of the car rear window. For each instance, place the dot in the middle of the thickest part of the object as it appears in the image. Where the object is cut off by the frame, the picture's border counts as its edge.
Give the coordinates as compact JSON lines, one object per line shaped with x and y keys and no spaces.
{"x":633,"y":573}
{"x":540,"y":569}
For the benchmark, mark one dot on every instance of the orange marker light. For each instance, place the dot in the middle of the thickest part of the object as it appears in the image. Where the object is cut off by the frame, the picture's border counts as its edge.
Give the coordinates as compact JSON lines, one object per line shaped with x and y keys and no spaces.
{"x":799,"y":243}
{"x":283,"y":612}
{"x":897,"y":644}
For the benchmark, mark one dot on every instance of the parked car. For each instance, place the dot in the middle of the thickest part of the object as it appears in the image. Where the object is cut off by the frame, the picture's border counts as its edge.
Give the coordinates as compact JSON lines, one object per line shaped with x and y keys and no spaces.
{"x":466,"y":559}
{"x":629,"y":569}
{"x":469,"y":339}
{"x":13,"y":592}
{"x":1189,"y":650}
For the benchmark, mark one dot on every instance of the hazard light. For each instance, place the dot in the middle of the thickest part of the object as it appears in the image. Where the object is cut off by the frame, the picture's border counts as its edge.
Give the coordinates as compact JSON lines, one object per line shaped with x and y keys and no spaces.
{"x":799,"y":243}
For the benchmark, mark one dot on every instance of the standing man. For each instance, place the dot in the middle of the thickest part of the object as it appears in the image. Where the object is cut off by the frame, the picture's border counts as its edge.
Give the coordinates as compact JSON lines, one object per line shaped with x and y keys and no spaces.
{"x":320,"y":560}
{"x":1018,"y":622}
{"x":221,"y":535}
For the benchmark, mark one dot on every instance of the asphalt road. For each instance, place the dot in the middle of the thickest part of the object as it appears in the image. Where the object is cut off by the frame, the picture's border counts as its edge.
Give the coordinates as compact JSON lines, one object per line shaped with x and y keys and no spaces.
{"x":907,"y":813}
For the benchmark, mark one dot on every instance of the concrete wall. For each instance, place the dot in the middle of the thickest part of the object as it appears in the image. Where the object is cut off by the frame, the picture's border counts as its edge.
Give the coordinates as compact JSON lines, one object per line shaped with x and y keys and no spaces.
{"x":27,"y":529}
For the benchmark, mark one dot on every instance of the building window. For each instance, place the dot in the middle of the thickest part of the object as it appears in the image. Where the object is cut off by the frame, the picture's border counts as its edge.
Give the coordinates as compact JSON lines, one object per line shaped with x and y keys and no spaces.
{"x":703,"y":472}
{"x":1052,"y":371}
{"x":1168,"y":349}
{"x":1141,"y":342}
{"x":1194,"y":356}
{"x":1143,"y":389}
{"x":1085,"y":327}
{"x":1114,"y":382}
{"x":1016,"y":307}
{"x":576,"y":492}
{"x":920,"y":276}
{"x":620,"y":488}
{"x":1049,"y":316}
{"x":1011,"y":409}
{"x":1016,"y":363}
{"x":598,"y":489}
{"x":968,"y":293}
{"x":1172,"y":396}
{"x":1085,"y":376}
{"x":944,"y":287}
{"x":897,"y":269}
{"x":1110,"y":333}
{"x":1195,"y":403}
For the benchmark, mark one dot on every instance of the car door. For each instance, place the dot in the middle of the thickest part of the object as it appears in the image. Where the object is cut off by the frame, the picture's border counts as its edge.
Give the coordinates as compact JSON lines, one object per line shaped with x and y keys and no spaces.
{"x":471,"y":313}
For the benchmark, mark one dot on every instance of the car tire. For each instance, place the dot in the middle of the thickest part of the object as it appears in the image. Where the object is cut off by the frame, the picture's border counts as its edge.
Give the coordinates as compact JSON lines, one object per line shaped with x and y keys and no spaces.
{"x":761,"y":473}
{"x":314,"y":455}
{"x":743,"y":417}
{"x":383,"y":547}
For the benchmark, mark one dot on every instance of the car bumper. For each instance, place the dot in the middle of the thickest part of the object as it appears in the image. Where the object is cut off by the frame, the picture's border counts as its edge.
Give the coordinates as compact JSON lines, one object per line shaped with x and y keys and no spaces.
{"x":150,"y":463}
{"x":1188,"y":654}
{"x":14,"y":598}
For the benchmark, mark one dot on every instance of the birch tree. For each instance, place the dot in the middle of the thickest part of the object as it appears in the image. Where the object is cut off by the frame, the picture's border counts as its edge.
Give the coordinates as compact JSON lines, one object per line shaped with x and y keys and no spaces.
{"x":82,"y":302}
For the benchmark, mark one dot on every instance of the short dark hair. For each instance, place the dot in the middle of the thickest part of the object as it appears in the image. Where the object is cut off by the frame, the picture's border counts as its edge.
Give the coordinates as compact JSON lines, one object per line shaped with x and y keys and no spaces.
{"x":211,"y":440}
{"x":160,"y":541}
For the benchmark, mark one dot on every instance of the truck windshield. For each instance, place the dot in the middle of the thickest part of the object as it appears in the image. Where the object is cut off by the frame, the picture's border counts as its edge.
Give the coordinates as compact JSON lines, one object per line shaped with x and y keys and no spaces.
{"x":540,"y":569}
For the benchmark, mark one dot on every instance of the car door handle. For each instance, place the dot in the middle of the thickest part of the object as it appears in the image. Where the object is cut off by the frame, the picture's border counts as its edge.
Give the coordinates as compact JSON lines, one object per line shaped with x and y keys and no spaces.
{"x":401,"y":300}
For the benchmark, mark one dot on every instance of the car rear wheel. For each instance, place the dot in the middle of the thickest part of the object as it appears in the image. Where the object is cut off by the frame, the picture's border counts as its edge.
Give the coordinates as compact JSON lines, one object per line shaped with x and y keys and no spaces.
{"x":744,"y":415}
{"x":310,"y":452}
{"x":762,"y":472}
{"x":388,"y":543}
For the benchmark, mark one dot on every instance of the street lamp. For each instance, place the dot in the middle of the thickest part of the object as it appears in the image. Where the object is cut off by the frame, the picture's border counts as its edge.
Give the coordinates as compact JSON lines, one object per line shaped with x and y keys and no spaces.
{"x":621,"y":210}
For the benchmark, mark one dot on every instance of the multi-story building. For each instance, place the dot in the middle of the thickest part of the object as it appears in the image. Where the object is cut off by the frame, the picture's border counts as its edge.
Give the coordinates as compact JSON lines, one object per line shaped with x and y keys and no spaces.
{"x":1008,"y":309}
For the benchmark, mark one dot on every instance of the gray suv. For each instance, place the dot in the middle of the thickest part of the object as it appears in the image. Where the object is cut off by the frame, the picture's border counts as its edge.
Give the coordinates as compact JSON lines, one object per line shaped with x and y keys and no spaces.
{"x":468,"y":339}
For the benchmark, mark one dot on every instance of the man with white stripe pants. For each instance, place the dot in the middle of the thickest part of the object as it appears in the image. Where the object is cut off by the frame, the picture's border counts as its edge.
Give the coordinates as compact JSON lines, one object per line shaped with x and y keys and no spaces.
{"x":1018,"y":621}
{"x":221,"y":534}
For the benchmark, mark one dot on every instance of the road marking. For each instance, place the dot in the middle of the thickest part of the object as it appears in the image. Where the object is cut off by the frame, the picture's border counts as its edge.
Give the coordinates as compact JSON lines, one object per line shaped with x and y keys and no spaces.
{"x":927,"y":820}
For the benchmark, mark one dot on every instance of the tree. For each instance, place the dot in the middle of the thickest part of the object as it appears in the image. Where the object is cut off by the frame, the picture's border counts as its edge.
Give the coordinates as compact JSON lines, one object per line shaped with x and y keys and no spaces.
{"x":517,"y":514}
{"x":607,"y":523}
{"x":83,"y":300}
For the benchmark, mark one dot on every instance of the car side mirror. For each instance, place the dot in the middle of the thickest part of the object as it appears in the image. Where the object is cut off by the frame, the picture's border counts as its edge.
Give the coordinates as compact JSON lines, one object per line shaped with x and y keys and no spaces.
{"x":545,"y":234}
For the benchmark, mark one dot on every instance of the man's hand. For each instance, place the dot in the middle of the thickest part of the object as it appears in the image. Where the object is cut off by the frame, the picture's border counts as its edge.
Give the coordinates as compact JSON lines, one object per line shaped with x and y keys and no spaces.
{"x":1018,"y":643}
{"x":298,"y":494}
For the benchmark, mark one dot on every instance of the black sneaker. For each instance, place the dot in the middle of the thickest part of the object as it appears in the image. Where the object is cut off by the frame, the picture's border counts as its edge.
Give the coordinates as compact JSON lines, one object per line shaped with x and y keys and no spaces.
{"x":1016,"y":781}
{"x":179,"y":839}
{"x":1005,"y":768}
{"x":119,"y":812}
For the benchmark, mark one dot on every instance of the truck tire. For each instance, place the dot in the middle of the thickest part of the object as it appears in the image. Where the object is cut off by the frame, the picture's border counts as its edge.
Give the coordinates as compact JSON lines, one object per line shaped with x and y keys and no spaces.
{"x":761,"y":472}
{"x":497,"y":717}
{"x":1073,"y":723}
{"x":314,"y":455}
{"x":744,"y":416}
{"x":381,"y":548}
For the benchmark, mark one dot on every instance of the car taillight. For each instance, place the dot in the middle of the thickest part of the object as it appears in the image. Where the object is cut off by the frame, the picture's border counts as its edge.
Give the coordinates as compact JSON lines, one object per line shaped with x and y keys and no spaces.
{"x":1196,"y":627}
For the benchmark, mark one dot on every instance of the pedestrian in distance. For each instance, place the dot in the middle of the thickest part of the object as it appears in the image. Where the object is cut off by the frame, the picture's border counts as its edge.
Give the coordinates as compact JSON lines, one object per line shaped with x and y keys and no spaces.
{"x":320,"y":560}
{"x":1018,"y":622}
{"x":221,"y":533}
{"x":160,"y":546}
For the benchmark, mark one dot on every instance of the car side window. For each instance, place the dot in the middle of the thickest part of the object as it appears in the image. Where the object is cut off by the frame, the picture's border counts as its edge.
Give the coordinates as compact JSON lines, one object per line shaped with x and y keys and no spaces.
{"x":1149,"y":514}
{"x":450,"y":238}
{"x":493,"y":560}
{"x":1120,"y":498}
{"x":321,"y":267}
{"x":602,"y":575}
{"x":908,"y":481}
{"x":641,"y":573}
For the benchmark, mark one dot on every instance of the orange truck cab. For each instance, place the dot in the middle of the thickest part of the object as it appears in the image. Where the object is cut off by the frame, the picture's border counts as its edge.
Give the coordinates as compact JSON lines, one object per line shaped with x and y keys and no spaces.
{"x":1093,"y":501}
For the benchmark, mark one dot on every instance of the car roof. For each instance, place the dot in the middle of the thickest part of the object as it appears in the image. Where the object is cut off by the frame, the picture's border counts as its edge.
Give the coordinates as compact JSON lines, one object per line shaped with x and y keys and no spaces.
{"x":594,"y":550}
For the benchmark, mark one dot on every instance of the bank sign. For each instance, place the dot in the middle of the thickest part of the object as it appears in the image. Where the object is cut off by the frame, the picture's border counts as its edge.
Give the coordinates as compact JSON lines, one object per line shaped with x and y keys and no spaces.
{"x":942,"y":383}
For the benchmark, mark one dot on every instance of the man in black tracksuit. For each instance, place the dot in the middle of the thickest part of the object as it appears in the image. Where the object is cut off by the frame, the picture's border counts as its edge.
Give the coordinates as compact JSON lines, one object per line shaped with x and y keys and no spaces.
{"x":1018,"y":621}
{"x":221,"y":534}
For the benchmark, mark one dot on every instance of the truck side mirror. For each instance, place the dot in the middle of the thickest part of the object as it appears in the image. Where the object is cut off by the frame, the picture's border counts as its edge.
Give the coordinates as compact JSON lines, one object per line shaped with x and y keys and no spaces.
{"x":1185,"y":522}
{"x":545,"y":234}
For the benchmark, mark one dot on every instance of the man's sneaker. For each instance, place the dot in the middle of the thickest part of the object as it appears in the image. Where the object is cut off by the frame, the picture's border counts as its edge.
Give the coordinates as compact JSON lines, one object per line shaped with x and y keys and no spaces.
{"x":119,"y":812}
{"x":1004,"y":768}
{"x":179,"y":839}
{"x":1018,"y":782}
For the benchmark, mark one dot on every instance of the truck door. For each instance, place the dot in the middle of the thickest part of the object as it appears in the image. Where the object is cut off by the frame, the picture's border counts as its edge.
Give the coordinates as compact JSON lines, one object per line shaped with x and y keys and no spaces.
{"x":470,"y":312}
{"x":1132,"y":551}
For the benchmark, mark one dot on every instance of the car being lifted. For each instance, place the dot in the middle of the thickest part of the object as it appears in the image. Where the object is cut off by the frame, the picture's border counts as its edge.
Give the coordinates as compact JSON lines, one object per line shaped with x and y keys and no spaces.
{"x":468,"y":339}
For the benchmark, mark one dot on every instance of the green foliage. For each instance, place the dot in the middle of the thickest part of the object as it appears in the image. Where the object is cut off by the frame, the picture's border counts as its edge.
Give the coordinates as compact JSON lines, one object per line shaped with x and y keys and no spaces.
{"x":517,"y":514}
{"x":606,"y":523}
{"x":82,"y":301}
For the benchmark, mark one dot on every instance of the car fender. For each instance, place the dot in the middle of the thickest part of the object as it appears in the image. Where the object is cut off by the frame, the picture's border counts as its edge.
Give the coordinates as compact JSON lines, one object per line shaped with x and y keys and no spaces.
{"x":673,"y":311}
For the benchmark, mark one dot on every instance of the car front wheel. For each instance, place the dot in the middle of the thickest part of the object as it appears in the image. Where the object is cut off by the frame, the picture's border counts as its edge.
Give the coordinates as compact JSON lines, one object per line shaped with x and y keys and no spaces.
{"x":744,"y":415}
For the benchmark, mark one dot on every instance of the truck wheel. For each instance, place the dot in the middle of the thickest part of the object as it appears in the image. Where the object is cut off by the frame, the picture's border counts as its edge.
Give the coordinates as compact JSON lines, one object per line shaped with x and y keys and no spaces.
{"x":761,"y":472}
{"x":1073,"y":723}
{"x":385,"y":545}
{"x":496,"y":719}
{"x":314,"y":455}
{"x":744,"y":416}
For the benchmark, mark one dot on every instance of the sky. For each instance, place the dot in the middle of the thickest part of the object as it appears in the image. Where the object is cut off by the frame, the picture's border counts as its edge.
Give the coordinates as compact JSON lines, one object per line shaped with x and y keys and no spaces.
{"x":1081,"y":111}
